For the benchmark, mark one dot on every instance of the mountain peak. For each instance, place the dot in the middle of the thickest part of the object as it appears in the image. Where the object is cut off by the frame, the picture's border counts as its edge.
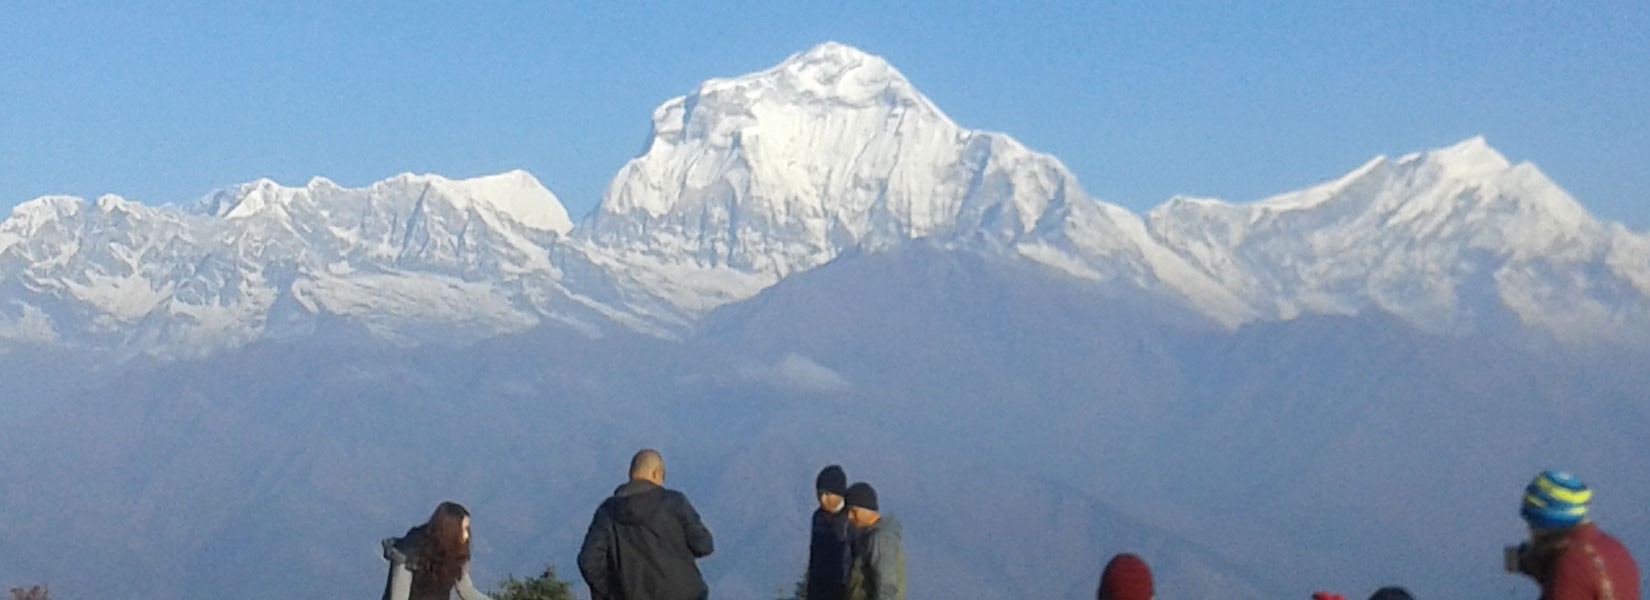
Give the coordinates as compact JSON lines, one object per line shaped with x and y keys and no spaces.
{"x":515,"y":194}
{"x":805,"y":115}
{"x":112,"y":203}
{"x":1472,"y":157}
{"x":518,"y":194}
{"x":828,"y":75}
{"x":832,"y":51}
{"x":779,"y":170}
{"x":242,"y":200}
{"x":28,"y":217}
{"x":1499,"y":187}
{"x":827,"y":78}
{"x":831,"y":60}
{"x":842,"y":73}
{"x":55,"y":204}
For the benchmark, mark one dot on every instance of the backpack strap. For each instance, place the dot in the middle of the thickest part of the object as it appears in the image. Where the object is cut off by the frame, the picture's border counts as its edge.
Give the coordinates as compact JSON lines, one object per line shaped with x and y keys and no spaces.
{"x":1605,"y":590}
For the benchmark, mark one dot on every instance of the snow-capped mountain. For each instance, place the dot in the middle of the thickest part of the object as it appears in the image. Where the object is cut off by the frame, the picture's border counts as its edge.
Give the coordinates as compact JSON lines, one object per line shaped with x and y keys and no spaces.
{"x":1451,"y":240}
{"x":410,"y":258}
{"x":753,"y":179}
{"x":781,"y":171}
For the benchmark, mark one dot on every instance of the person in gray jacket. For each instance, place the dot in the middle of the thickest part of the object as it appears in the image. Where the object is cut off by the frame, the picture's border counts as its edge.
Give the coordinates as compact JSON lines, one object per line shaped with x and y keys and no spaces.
{"x":432,"y":560}
{"x":878,"y":569}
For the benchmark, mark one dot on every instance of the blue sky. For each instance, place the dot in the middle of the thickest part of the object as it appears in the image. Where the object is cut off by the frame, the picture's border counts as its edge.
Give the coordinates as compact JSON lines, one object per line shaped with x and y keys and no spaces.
{"x":1141,"y":100}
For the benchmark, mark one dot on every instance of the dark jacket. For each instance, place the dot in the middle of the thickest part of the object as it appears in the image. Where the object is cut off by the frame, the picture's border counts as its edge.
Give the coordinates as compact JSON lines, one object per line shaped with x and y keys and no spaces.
{"x":829,"y":555}
{"x":642,"y":545}
{"x":878,"y":571}
{"x":402,"y":552}
{"x":1588,"y":562}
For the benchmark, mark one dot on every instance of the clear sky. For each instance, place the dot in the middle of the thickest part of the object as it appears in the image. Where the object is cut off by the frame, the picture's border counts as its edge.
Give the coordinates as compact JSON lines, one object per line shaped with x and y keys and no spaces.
{"x":1142,"y":100}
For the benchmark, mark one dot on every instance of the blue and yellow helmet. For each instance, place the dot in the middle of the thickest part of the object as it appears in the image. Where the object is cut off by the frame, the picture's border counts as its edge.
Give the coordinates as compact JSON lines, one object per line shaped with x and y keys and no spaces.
{"x":1555,"y":500}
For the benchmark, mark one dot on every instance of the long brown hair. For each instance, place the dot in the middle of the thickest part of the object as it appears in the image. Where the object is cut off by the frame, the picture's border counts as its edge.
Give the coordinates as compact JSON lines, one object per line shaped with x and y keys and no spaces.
{"x":445,"y":551}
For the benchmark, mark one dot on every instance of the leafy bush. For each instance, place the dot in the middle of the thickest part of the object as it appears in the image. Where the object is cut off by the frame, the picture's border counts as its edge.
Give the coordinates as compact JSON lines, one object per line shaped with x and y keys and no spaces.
{"x":801,"y":592}
{"x":544,"y":587}
{"x":34,"y":593}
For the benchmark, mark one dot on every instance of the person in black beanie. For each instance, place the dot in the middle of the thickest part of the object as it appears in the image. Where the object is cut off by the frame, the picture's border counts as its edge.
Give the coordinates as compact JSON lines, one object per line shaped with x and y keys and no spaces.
{"x":878,"y":569}
{"x":829,"y":552}
{"x":1392,"y":593}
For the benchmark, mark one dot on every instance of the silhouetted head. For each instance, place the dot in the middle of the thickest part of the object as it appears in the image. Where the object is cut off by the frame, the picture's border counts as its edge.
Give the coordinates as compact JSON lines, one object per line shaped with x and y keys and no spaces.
{"x":1126,"y":578}
{"x":446,"y":549}
{"x":829,"y":487}
{"x":1555,"y":500}
{"x":1392,"y":593}
{"x":861,"y":499}
{"x":647,"y":465}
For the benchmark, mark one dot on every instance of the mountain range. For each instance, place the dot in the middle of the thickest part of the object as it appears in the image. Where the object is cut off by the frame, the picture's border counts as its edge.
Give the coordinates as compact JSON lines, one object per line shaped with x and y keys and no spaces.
{"x":809,"y":264}
{"x":749,"y":180}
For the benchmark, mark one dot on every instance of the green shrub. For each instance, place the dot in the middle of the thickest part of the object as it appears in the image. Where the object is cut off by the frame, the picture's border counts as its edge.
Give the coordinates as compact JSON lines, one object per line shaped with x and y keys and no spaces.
{"x":544,"y":587}
{"x":34,"y":593}
{"x":801,"y":592}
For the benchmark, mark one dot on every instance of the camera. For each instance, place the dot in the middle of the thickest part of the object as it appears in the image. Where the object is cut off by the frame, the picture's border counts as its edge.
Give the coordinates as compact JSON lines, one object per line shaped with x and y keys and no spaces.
{"x":1512,"y":558}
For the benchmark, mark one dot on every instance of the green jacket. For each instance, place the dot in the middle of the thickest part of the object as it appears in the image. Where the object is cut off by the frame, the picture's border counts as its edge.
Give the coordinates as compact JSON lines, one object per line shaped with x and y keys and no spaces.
{"x":878,"y":570}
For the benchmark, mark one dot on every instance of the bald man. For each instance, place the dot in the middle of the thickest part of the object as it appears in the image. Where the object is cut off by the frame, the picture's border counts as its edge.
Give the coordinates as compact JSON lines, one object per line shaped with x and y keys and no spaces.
{"x":644,"y":540}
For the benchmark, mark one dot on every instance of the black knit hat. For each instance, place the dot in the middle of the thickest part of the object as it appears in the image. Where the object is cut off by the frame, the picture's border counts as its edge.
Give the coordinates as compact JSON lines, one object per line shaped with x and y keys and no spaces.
{"x":831,"y":479}
{"x":1392,"y":593}
{"x":861,"y":495}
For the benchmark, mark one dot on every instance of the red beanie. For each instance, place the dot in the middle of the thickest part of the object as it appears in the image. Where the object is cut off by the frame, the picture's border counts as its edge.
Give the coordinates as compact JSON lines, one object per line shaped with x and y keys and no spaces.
{"x":1126,"y":578}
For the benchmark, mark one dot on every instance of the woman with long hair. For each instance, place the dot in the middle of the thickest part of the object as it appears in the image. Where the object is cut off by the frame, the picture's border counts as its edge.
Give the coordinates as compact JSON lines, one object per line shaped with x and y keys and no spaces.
{"x":433,"y":560}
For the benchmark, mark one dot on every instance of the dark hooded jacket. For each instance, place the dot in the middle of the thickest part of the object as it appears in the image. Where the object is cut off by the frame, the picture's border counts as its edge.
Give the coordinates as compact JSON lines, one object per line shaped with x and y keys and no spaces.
{"x":829,"y":554}
{"x":642,"y":545}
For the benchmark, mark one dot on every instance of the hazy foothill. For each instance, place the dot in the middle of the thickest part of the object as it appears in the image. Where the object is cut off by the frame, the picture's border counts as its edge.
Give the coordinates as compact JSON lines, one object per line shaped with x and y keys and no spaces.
{"x":1340,"y":386}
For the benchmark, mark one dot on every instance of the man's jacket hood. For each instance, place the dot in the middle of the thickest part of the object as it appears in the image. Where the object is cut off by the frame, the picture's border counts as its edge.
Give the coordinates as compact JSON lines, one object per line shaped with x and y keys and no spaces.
{"x":636,"y":501}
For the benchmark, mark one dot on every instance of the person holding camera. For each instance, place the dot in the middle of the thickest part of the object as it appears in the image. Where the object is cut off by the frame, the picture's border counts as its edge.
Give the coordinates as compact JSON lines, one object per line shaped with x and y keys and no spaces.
{"x":1567,"y":554}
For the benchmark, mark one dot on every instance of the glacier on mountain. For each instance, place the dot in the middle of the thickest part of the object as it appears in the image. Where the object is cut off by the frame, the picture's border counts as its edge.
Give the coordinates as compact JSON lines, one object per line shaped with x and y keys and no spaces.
{"x":749,"y":180}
